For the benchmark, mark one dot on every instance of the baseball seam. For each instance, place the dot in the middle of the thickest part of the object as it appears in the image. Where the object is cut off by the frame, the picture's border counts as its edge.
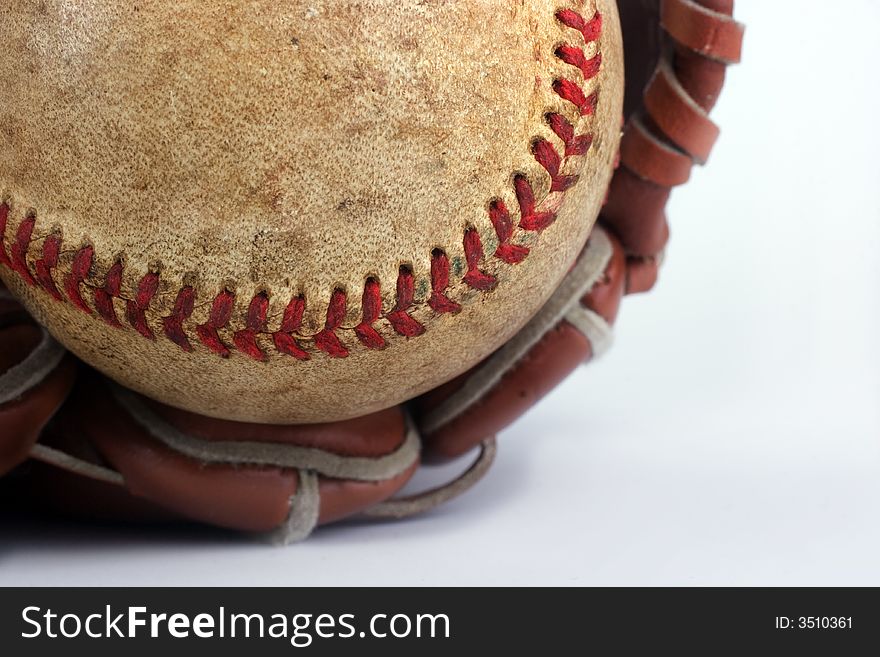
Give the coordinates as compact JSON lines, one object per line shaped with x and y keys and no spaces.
{"x":254,"y":338}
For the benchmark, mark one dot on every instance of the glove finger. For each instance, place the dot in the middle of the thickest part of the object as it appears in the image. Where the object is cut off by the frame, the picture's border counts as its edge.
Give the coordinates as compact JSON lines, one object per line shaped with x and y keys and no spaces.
{"x":35,"y":377}
{"x":668,"y":128}
{"x":572,"y":329}
{"x":241,"y":476}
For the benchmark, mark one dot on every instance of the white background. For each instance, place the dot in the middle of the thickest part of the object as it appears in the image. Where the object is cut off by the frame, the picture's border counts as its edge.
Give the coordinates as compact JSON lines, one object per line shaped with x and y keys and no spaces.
{"x":731,"y":436}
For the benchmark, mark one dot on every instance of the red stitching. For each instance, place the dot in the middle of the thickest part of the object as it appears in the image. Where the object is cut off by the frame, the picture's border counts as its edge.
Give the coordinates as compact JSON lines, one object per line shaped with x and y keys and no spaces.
{"x":257,"y":321}
{"x":327,"y":340}
{"x":20,"y":249}
{"x":44,"y":266}
{"x":79,"y":271}
{"x":591,"y":30}
{"x":576,"y":57}
{"x":104,"y":297}
{"x":534,"y":217}
{"x":574,"y":144}
{"x":507,"y":252}
{"x":546,"y":155}
{"x":218,"y":318}
{"x":372,"y":305}
{"x":4,"y":219}
{"x":173,"y":324}
{"x":571,"y":91}
{"x":136,"y":309}
{"x":284,"y":340}
{"x":439,"y":302}
{"x":401,"y":321}
{"x":530,"y":217}
{"x":473,"y":253}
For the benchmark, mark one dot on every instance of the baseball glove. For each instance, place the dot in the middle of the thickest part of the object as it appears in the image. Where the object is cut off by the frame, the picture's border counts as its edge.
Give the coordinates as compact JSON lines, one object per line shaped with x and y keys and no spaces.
{"x":72,"y":440}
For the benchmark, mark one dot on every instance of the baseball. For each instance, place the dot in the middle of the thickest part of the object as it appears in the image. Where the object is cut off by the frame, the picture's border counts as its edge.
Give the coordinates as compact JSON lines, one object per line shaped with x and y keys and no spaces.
{"x":299,"y":211}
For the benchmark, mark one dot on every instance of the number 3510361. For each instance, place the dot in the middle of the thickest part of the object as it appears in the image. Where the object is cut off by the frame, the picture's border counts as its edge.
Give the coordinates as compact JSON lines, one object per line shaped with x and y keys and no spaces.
{"x":814,"y":623}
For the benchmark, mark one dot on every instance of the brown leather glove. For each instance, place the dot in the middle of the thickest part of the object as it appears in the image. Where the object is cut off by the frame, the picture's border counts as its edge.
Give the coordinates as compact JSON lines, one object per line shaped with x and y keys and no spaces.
{"x":113,"y":454}
{"x":35,"y":377}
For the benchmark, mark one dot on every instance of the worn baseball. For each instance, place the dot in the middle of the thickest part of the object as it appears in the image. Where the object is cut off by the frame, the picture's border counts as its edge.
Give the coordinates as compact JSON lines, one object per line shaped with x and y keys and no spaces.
{"x":299,"y":210}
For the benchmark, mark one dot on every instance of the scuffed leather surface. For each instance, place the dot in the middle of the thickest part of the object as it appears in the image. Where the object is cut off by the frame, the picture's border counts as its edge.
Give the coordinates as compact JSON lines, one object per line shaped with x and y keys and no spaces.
{"x":286,"y":149}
